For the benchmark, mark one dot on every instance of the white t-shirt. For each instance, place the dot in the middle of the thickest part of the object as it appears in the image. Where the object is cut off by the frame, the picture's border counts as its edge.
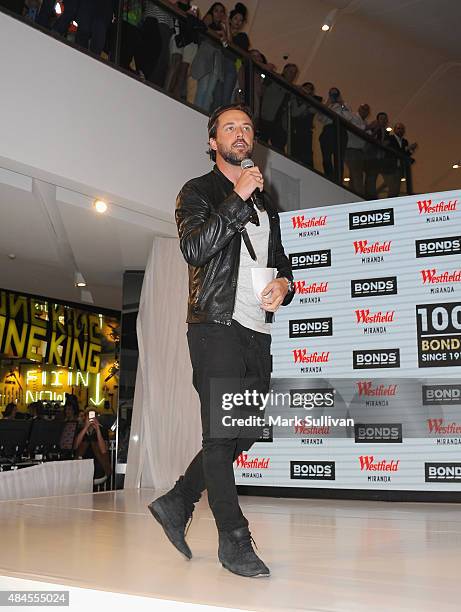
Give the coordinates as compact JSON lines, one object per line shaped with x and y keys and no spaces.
{"x":247,"y":309}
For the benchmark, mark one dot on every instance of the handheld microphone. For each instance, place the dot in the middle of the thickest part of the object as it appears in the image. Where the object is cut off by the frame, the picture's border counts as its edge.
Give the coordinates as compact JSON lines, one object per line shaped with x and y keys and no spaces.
{"x":249,"y":163}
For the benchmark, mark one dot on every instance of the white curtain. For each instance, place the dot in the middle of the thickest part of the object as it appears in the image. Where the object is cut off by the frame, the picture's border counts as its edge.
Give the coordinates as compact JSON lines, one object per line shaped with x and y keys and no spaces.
{"x":165,"y":430}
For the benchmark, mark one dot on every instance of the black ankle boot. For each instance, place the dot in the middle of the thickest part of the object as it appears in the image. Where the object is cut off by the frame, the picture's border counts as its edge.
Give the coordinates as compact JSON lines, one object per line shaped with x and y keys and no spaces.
{"x":170,"y":511}
{"x":237,"y":555}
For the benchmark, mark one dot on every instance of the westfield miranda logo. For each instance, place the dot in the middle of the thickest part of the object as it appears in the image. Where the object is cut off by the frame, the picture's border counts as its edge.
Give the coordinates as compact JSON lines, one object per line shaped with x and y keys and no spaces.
{"x":303,"y":287}
{"x":362,"y":247}
{"x":431,"y":276}
{"x":366,"y":316}
{"x":300,"y":222}
{"x":365,"y":387}
{"x":438,"y":426}
{"x":303,"y":356}
{"x":368,"y":463}
{"x":242,"y":461}
{"x":426,"y":207}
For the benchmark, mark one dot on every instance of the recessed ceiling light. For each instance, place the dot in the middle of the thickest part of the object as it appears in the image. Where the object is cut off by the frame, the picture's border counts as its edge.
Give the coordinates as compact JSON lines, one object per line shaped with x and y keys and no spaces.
{"x":388,"y":129}
{"x":325,"y":27}
{"x":403,"y":180}
{"x":79,"y":281}
{"x":346,"y":179}
{"x":456,"y":166}
{"x":100,"y":206}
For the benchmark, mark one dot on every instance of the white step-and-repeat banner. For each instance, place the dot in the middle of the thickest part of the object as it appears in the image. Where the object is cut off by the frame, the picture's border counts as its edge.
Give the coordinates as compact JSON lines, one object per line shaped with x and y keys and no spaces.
{"x":372,"y":336}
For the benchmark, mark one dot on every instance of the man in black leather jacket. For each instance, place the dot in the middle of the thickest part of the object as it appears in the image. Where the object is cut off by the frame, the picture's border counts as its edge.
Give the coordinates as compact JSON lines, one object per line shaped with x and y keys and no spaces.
{"x":229,"y":327}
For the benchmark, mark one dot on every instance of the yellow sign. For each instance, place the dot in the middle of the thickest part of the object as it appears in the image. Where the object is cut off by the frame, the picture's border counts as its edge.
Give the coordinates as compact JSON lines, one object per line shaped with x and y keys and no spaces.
{"x":42,"y":331}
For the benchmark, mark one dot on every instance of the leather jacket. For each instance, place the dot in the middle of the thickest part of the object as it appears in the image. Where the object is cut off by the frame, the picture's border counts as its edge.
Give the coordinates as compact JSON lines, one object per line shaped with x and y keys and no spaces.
{"x":210,"y":216}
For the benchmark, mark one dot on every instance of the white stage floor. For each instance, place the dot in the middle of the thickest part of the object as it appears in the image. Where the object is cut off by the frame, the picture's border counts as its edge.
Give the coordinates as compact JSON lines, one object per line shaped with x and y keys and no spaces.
{"x":324,"y":555}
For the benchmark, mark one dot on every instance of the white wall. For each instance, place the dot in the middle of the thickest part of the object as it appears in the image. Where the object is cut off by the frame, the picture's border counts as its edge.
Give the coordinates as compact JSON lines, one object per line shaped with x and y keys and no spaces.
{"x":70,"y":120}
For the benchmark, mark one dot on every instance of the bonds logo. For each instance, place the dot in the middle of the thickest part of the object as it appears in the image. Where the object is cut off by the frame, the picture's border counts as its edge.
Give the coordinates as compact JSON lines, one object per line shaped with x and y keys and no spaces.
{"x":443,"y":472}
{"x":437,"y":247}
{"x":376,"y":358}
{"x":312,"y":470}
{"x":306,"y":328}
{"x":378,"y":432}
{"x":371,"y":218}
{"x":441,"y":395}
{"x":311,"y":259}
{"x":439,"y":335}
{"x":371,"y":287}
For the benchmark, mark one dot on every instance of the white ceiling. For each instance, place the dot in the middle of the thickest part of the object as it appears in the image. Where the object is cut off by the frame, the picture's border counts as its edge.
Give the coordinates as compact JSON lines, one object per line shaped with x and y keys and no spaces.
{"x":432,"y":23}
{"x":52,"y":238}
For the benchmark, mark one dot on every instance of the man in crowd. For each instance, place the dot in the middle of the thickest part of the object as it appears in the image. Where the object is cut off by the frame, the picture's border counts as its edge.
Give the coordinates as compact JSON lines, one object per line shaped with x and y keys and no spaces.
{"x":274,"y":105}
{"x":375,"y":162}
{"x":397,"y":167}
{"x":355,"y":156}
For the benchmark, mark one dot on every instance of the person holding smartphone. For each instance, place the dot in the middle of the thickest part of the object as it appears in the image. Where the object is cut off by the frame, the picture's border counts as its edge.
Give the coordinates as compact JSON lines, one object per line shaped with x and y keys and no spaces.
{"x":92,"y":443}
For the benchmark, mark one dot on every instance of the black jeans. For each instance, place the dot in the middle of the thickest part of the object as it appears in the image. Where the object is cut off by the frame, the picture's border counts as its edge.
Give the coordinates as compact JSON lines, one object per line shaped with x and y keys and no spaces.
{"x":241,"y":356}
{"x":150,"y":47}
{"x":93,"y":18}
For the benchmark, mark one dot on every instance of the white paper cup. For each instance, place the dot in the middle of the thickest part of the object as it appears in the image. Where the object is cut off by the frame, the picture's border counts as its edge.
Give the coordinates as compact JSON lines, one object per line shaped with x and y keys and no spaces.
{"x":260,"y":277}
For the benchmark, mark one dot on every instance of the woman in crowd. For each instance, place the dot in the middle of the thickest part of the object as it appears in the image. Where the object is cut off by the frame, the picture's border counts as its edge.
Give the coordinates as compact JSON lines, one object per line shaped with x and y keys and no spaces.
{"x":183,"y":48}
{"x":232,"y":65}
{"x":207,"y":67}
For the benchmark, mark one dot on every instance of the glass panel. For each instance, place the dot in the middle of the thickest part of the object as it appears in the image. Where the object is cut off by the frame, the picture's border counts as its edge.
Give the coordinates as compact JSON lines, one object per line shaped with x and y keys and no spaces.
{"x":372,"y":170}
{"x":216,"y":76}
{"x":364,"y":165}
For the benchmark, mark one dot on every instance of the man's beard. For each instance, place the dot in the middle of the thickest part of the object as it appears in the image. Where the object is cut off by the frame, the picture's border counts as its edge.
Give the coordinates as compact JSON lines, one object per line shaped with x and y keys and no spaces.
{"x":234,"y":156}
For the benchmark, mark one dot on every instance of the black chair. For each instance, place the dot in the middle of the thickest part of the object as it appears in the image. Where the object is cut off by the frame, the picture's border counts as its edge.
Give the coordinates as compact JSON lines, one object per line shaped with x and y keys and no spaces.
{"x":45,"y":434}
{"x":13,"y":434}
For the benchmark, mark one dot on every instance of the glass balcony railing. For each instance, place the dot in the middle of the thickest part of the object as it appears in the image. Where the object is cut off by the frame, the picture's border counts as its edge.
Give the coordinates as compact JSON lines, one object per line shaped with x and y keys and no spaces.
{"x":177,"y":53}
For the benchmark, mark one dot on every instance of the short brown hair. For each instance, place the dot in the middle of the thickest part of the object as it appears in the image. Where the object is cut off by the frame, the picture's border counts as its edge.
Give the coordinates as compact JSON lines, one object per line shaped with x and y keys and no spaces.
{"x":214,"y":119}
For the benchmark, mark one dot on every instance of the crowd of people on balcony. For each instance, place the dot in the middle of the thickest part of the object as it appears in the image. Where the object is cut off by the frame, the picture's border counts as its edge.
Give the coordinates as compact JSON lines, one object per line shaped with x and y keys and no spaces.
{"x":169,"y":50}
